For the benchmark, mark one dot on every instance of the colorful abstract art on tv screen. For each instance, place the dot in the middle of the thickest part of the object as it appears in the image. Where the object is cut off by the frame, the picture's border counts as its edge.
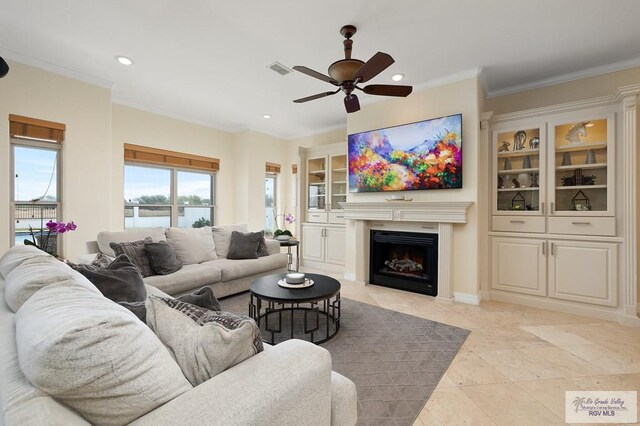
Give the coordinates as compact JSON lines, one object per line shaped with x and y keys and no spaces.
{"x":422,"y":155}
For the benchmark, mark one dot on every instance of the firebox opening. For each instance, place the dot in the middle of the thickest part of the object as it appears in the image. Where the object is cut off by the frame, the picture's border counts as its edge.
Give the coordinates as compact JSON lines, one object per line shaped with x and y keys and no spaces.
{"x":404,"y":260}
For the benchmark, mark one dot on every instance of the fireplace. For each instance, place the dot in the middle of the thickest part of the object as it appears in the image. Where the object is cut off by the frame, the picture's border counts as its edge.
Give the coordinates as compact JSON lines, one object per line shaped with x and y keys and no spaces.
{"x":404,"y":260}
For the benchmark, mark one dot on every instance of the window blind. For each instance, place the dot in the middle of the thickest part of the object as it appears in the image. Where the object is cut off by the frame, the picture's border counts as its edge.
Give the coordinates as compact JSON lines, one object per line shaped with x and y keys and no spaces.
{"x":34,"y":128}
{"x":148,"y":155}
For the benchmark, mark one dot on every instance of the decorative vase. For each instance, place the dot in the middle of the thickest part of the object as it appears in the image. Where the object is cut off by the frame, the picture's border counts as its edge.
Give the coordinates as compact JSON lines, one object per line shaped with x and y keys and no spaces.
{"x":591,"y":157}
{"x":526,"y":164}
{"x":507,"y":164}
{"x":524,"y":179}
{"x":566,"y":159}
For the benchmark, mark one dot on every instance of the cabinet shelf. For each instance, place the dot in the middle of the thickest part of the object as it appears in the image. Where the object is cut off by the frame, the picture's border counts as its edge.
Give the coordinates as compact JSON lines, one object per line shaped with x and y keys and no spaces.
{"x":582,"y":166}
{"x":342,"y":169}
{"x":317,"y":183}
{"x":339,"y":195}
{"x":520,"y":153}
{"x":317,"y":172}
{"x":585,"y":147}
{"x":526,"y":188}
{"x":516,"y":171}
{"x":339,"y":182}
{"x":582,"y":187}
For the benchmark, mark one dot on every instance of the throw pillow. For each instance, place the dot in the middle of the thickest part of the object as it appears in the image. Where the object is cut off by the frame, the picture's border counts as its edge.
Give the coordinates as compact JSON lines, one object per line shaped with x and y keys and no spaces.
{"x":162,"y":258}
{"x":192,"y":245}
{"x":102,"y":261}
{"x":222,"y":237}
{"x":244,"y":245}
{"x":204,"y":343}
{"x":203,"y":298}
{"x":136,"y":252}
{"x":262,"y":247}
{"x":120,"y":281}
{"x":93,"y":355}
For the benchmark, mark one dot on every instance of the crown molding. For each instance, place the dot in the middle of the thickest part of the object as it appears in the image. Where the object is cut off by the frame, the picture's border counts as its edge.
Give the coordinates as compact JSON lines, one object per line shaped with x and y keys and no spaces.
{"x":55,"y":69}
{"x":451,"y":78}
{"x":564,"y":78}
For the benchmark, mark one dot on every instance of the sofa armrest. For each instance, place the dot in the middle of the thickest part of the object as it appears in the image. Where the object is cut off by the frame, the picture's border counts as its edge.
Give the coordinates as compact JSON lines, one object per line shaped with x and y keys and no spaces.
{"x":288,"y":384}
{"x":273,"y":246}
{"x":85,"y":259}
{"x":344,"y":401}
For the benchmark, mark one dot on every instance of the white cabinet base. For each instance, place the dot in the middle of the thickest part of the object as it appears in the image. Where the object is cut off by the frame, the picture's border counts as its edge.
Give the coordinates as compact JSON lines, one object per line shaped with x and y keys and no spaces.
{"x":518,"y":265}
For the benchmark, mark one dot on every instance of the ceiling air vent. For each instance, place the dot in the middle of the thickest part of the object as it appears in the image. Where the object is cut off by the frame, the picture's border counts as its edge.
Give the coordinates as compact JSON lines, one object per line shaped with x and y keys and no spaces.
{"x":279,"y":68}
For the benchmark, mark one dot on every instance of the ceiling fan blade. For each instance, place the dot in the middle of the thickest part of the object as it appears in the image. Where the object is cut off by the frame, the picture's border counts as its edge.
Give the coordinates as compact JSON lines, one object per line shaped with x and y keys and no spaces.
{"x":318,"y":96}
{"x":387,"y":90}
{"x":374,"y":66}
{"x":351,"y":103}
{"x":315,"y":74}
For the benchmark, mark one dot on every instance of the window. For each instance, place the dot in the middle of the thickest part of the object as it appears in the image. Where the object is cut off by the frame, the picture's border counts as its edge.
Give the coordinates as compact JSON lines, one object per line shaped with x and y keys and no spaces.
{"x":166,"y":196}
{"x":35,"y":177}
{"x":270,"y":203}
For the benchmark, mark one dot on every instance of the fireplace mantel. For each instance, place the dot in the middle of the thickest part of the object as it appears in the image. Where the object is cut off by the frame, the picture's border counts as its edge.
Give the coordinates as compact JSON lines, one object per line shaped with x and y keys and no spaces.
{"x":444,"y":213}
{"x":408,"y":211}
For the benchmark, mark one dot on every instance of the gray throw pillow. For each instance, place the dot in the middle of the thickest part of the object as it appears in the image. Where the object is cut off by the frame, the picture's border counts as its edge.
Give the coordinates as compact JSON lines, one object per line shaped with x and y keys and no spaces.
{"x":203,"y":298}
{"x":120,"y":281}
{"x":204,"y":343}
{"x":244,"y":245}
{"x":162,"y":258}
{"x":136,"y":252}
{"x":262,"y":247}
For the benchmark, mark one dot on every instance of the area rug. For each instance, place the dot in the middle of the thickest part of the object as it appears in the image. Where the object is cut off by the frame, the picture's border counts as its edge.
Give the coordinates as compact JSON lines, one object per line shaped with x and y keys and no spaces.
{"x":395,"y":360}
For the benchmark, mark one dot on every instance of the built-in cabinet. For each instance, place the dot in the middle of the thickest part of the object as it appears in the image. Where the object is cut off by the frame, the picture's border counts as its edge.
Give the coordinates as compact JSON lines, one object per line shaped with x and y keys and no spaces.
{"x":324,"y":187}
{"x":553,"y":231}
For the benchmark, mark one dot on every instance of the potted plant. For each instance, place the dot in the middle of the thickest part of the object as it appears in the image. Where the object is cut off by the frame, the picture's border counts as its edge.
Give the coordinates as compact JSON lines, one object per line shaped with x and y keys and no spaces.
{"x":283,"y":234}
{"x":47,"y":242}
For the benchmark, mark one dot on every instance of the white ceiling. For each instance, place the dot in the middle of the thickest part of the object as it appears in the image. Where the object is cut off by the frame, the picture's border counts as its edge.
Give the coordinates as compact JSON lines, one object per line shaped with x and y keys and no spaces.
{"x":206,"y":61}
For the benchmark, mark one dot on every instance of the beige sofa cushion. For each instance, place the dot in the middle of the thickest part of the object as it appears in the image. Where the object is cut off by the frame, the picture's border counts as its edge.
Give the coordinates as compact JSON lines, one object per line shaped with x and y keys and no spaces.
{"x":36,"y":273}
{"x":234,"y":269}
{"x":107,"y":237}
{"x":204,"y":343}
{"x":192,"y":245}
{"x":222,"y":237}
{"x":94,"y":355}
{"x":16,"y":255}
{"x":188,"y":278}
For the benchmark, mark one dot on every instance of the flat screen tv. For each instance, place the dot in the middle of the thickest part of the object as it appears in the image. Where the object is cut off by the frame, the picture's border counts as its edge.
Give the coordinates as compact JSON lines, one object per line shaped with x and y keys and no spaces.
{"x":422,"y":155}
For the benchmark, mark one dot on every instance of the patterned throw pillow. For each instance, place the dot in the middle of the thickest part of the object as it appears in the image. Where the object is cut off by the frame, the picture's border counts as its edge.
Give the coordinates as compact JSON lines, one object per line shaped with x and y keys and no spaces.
{"x":204,"y":343}
{"x":136,"y":252}
{"x":101,"y":261}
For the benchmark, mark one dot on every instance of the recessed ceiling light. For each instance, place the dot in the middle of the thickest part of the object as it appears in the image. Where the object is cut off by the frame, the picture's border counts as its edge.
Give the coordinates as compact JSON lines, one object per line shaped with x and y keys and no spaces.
{"x":397,"y":77}
{"x":266,"y":116}
{"x":124,"y":60}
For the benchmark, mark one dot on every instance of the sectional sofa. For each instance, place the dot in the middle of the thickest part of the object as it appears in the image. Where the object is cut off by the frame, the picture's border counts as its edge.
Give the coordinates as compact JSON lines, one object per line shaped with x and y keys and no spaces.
{"x":69,"y":356}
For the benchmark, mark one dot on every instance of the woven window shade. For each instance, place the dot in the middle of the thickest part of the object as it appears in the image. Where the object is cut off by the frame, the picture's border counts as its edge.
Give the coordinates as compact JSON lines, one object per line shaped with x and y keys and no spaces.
{"x":294,"y":168}
{"x":33,"y":128}
{"x":272,"y":167}
{"x":147,"y":155}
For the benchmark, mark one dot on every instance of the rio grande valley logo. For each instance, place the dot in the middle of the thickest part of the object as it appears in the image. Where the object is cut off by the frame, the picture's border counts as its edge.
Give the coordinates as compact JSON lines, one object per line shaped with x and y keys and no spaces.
{"x":601,"y":407}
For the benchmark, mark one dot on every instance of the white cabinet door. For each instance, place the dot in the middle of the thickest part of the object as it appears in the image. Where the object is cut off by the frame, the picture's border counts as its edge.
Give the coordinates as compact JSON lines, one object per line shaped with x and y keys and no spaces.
{"x":313,"y":243}
{"x":519,"y":265}
{"x":335,"y":245}
{"x":583,"y":272}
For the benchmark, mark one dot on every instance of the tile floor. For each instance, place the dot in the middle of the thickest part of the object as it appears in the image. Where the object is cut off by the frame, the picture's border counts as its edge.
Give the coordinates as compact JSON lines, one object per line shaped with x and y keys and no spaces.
{"x":518,"y":361}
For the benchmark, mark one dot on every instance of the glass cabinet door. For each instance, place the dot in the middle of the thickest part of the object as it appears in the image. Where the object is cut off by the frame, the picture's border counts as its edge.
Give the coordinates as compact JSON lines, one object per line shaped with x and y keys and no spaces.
{"x":338,"y":181}
{"x":582,"y":158}
{"x":316,"y":183}
{"x":519,"y":171}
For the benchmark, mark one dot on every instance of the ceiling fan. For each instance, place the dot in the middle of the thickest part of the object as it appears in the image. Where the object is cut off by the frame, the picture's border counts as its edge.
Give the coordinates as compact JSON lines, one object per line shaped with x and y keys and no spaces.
{"x":347,"y":73}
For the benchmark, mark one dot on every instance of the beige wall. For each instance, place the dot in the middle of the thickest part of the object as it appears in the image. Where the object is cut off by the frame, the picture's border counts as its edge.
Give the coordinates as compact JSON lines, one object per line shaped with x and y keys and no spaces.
{"x":460,"y":97}
{"x":86,"y":174}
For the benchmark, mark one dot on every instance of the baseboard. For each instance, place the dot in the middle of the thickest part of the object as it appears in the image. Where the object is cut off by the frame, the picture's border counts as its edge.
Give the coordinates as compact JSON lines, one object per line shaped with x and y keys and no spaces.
{"x":470,"y":299}
{"x":485,"y":295}
{"x":553,"y":305}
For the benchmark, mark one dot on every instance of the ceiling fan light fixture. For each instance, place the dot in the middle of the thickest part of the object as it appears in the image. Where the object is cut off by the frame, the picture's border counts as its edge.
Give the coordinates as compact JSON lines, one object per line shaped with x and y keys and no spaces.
{"x":124,"y":60}
{"x":397,"y":77}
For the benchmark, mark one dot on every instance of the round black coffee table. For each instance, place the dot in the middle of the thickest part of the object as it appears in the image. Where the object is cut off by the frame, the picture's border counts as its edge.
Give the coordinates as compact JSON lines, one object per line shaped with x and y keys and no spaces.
{"x":311,"y":314}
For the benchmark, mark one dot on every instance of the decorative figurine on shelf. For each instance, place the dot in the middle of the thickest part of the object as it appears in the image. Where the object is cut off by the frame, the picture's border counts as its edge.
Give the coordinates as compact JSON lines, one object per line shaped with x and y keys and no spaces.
{"x":534,"y":180}
{"x":589,"y":180}
{"x":516,"y":184}
{"x":500,"y":182}
{"x":566,"y":159}
{"x":526,"y":163}
{"x":580,"y":202}
{"x":524,"y":180}
{"x":518,"y":202}
{"x":519,"y":139}
{"x":504,"y":147}
{"x":507,"y":164}
{"x":577,"y":177}
{"x":577,"y":131}
{"x":568,"y":181}
{"x":534,"y":142}
{"x":591,"y":157}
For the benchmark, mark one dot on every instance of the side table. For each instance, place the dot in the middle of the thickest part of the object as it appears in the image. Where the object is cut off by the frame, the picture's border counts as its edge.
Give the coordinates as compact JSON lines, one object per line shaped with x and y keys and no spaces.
{"x":288,"y":245}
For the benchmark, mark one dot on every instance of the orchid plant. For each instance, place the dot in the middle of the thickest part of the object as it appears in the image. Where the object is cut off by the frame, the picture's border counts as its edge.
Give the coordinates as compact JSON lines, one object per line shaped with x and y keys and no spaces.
{"x":53,"y":227}
{"x":287,"y":219}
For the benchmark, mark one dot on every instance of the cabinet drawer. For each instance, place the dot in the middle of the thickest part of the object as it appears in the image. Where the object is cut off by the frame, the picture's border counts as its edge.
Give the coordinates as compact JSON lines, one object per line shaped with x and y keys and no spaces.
{"x":605,"y":226}
{"x":337,"y":217}
{"x":518,"y":224}
{"x":317,"y":217}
